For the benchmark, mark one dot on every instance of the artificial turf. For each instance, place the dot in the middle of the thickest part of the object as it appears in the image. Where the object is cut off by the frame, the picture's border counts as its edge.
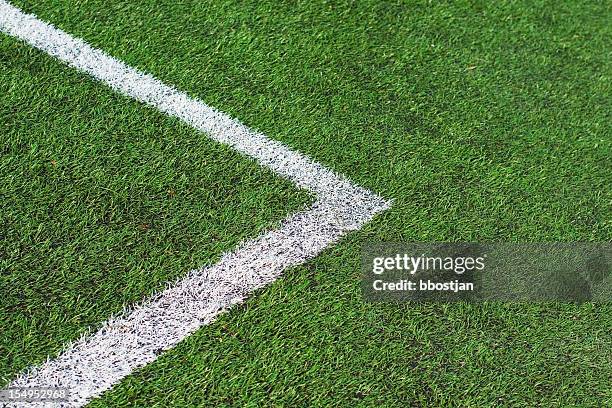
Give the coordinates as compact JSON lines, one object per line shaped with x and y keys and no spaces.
{"x":105,"y":201}
{"x":483,"y":121}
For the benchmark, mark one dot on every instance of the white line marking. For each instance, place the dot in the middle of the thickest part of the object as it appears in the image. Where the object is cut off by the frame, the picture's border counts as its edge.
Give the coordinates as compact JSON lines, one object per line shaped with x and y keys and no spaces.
{"x":125,"y":343}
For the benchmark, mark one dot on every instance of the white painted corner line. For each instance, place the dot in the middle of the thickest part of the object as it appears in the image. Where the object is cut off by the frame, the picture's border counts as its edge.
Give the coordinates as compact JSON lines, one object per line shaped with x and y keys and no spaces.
{"x":125,"y":343}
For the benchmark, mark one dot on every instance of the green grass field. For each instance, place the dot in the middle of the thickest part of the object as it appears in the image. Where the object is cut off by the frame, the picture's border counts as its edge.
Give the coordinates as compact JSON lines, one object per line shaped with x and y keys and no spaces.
{"x":105,"y":202}
{"x":482,"y":121}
